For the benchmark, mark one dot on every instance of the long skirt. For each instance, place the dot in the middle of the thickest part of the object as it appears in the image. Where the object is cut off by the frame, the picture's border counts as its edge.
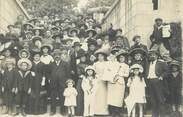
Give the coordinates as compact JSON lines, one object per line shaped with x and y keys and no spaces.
{"x":101,"y":107}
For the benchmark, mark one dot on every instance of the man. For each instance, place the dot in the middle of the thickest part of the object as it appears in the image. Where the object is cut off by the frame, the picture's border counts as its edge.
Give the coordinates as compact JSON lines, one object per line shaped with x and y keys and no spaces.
{"x":74,"y":61}
{"x":158,"y":42}
{"x":137,"y":43}
{"x":156,"y":71}
{"x":59,"y":74}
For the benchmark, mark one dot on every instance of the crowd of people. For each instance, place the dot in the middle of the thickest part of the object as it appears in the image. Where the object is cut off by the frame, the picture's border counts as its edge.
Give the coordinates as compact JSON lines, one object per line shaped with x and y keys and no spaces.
{"x":73,"y":64}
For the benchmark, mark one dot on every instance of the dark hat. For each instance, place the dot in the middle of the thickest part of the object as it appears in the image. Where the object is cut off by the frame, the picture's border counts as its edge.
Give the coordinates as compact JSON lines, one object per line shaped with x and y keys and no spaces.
{"x":10,"y":26}
{"x":57,"y":35}
{"x":135,"y":37}
{"x":55,"y":28}
{"x":35,"y":38}
{"x":73,"y":30}
{"x":119,"y":29}
{"x":153,"y":51}
{"x":81,"y":54}
{"x":158,"y":19}
{"x":35,"y":51}
{"x":33,"y":20}
{"x":56,"y":51}
{"x":92,"y":42}
{"x":66,"y":40}
{"x":57,"y":21}
{"x":38,"y":28}
{"x":24,"y":25}
{"x":83,"y":24}
{"x":138,"y":50}
{"x":28,"y":32}
{"x":29,"y":63}
{"x":120,"y":37}
{"x":76,"y":44}
{"x":122,"y":52}
{"x":91,"y":30}
{"x":176,"y":63}
{"x":115,"y":49}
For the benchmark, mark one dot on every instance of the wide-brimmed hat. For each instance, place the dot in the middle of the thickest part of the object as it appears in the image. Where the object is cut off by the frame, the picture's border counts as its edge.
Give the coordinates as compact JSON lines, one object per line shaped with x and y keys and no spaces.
{"x":24,"y":25}
{"x":66,"y":40}
{"x":158,"y":19}
{"x":119,"y":29}
{"x":89,"y":68}
{"x":33,"y":20}
{"x":57,"y":21}
{"x":57,"y":35}
{"x":35,"y":51}
{"x":119,"y":37}
{"x":28,"y":32}
{"x":38,"y":28}
{"x":10,"y":26}
{"x":137,"y":66}
{"x":122,"y":52}
{"x":135,"y":37}
{"x":55,"y":28}
{"x":56,"y":51}
{"x":176,"y":63}
{"x":29,"y":63}
{"x":115,"y":49}
{"x":73,"y":30}
{"x":83,"y":24}
{"x":137,"y":50}
{"x":91,"y":30}
{"x":102,"y":51}
{"x":35,"y":38}
{"x":49,"y":46}
{"x":24,"y":50}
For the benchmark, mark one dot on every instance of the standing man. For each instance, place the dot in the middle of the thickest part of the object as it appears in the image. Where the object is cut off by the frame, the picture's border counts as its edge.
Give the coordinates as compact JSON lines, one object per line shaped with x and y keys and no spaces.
{"x":59,"y":74}
{"x":156,"y":71}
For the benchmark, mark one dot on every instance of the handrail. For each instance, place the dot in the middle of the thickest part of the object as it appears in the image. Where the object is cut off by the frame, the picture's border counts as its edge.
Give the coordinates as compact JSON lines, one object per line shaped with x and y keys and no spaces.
{"x":22,"y":8}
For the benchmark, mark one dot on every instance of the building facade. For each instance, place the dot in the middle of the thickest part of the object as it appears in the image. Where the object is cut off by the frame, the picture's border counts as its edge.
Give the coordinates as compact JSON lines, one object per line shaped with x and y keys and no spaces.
{"x":137,"y":16}
{"x":9,"y":10}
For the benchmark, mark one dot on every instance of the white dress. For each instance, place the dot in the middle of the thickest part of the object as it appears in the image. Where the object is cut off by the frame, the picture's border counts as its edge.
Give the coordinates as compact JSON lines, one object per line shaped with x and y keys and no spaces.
{"x":89,"y":86}
{"x":70,"y":96}
{"x":136,"y":93}
{"x":116,"y":90}
{"x":101,"y":107}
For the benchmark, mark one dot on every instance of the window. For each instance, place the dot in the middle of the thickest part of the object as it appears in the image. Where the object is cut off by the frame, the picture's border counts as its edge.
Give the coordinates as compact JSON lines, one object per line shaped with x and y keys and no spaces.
{"x":155,"y":4}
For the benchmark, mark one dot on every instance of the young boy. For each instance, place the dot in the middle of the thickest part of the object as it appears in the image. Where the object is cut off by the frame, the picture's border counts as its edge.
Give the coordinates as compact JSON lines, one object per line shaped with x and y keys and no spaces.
{"x":8,"y":86}
{"x":23,"y":81}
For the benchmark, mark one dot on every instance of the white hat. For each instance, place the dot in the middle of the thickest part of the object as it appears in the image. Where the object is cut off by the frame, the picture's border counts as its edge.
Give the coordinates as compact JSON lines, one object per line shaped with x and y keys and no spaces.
{"x":24,"y":60}
{"x":89,"y":68}
{"x":136,"y":66}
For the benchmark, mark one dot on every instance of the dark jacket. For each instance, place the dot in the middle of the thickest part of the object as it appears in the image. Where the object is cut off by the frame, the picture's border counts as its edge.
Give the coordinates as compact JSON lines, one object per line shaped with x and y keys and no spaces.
{"x":161,"y":68}
{"x":9,"y":79}
{"x":59,"y":74}
{"x":23,"y":80}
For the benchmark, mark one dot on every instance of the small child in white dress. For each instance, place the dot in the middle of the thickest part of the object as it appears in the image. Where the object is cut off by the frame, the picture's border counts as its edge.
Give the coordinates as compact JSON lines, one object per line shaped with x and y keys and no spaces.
{"x":89,"y":87}
{"x":136,"y":95}
{"x":70,"y":94}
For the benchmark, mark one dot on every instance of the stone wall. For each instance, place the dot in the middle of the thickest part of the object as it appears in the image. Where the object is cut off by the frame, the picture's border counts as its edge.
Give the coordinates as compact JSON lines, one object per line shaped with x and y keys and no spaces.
{"x":137,"y":16}
{"x":9,"y":10}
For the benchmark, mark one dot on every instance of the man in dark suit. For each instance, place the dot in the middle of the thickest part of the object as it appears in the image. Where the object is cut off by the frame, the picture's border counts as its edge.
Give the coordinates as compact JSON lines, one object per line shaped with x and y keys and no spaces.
{"x":60,"y":72}
{"x":74,"y":59}
{"x":137,"y":43}
{"x":156,"y":71}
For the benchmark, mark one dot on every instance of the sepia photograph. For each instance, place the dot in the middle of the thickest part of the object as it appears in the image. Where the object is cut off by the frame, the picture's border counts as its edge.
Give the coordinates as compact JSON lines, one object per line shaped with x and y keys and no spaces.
{"x":91,"y":58}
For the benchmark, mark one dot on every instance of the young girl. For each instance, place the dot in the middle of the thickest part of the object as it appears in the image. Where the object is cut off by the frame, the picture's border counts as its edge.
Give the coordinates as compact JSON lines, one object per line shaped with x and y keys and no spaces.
{"x":89,"y":87}
{"x":70,"y":94}
{"x":136,"y":95}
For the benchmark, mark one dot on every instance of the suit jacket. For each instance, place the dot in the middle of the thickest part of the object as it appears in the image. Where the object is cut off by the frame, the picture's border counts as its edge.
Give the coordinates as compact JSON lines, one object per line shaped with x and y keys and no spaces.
{"x":59,"y":74}
{"x":9,"y":80}
{"x":161,"y":68}
{"x":23,"y":80}
{"x":156,"y":35}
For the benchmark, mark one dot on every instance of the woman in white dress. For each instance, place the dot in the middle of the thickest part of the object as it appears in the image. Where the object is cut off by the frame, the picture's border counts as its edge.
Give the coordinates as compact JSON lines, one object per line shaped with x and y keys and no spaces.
{"x":117,"y":71}
{"x":101,"y":107}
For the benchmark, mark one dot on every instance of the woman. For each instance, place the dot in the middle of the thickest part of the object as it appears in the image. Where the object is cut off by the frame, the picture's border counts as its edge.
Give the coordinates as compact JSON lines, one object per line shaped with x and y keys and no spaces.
{"x":101,"y":107}
{"x":116,"y":72}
